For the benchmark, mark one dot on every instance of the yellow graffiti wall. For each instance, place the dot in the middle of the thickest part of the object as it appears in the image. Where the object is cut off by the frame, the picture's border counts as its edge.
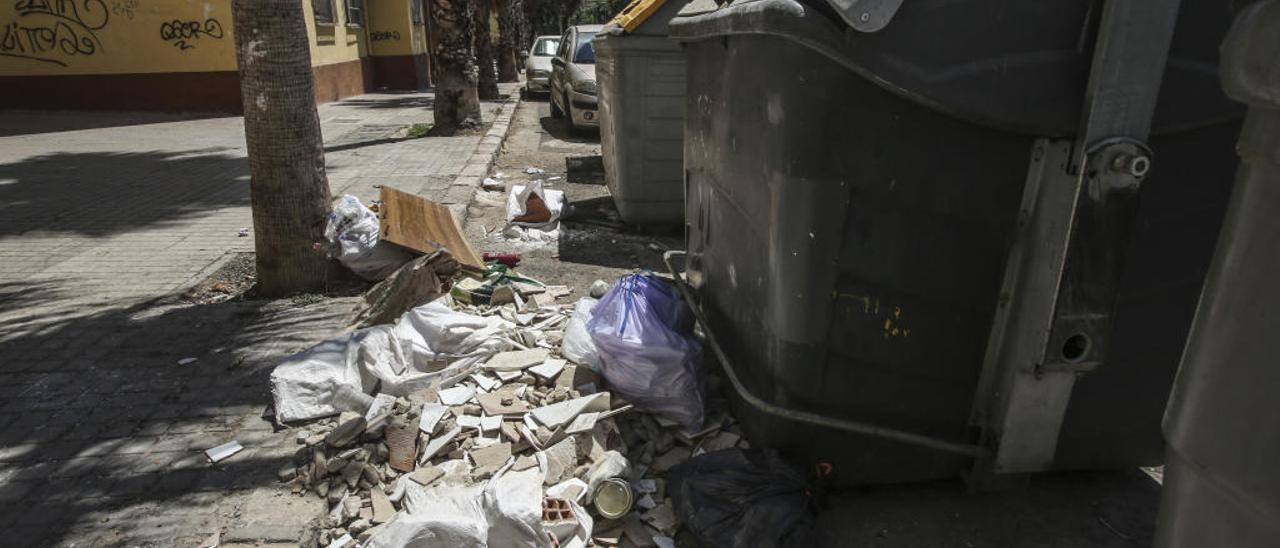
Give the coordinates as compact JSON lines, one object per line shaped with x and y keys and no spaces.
{"x":337,"y":42}
{"x":392,"y":29}
{"x":70,"y":37}
{"x":54,"y":37}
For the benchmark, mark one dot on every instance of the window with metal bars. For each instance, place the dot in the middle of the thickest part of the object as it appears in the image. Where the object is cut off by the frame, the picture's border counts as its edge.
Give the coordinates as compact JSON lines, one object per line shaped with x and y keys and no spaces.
{"x":323,"y":10}
{"x":355,"y":13}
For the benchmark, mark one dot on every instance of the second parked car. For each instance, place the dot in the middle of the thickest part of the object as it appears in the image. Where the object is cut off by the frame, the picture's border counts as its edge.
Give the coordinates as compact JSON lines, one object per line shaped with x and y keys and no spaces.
{"x":573,"y":78}
{"x":537,"y":68}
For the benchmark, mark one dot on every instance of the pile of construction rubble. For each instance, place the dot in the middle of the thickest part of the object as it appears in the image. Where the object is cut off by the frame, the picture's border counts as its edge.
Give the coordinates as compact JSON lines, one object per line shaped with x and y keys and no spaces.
{"x":479,"y":432}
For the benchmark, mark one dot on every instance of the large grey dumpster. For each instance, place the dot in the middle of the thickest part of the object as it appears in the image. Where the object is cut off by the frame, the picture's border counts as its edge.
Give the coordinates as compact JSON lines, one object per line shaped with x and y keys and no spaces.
{"x":854,"y":199}
{"x":641,"y":82}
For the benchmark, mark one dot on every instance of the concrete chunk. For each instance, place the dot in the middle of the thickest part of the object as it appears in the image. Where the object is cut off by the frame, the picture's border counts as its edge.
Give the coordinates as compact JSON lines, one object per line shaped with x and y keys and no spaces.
{"x":383,"y":511}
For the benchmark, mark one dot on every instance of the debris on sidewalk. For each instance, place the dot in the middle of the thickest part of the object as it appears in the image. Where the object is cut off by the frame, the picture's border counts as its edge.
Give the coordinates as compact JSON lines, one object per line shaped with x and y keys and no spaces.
{"x":222,"y":452}
{"x":415,"y":283}
{"x":599,"y":288}
{"x":354,"y":238}
{"x":424,"y":226}
{"x":464,"y":422}
{"x":533,"y":213}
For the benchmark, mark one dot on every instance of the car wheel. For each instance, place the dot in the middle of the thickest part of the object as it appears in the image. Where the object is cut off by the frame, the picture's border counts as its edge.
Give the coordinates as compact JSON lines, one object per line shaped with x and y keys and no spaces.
{"x":555,"y":110}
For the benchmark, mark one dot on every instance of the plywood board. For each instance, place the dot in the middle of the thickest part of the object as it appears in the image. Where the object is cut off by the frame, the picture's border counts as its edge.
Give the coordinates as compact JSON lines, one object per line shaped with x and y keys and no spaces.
{"x":423,"y":225}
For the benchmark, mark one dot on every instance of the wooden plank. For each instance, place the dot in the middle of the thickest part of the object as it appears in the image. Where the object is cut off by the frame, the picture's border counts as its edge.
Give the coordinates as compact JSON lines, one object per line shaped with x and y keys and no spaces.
{"x":423,"y":225}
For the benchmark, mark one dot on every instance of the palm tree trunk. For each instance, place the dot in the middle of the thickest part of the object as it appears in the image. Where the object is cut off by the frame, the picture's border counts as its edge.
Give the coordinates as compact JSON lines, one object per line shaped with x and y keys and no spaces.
{"x":456,"y":103}
{"x":487,"y":83}
{"x":288,"y":188}
{"x":507,"y":31}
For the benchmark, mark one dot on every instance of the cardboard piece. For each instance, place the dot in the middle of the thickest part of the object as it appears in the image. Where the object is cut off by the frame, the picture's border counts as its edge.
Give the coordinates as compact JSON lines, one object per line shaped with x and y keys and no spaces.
{"x":423,"y":225}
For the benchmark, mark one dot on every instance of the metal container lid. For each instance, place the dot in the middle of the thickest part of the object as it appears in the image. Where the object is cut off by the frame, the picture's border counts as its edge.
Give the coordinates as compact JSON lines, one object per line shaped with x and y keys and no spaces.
{"x":613,"y":498}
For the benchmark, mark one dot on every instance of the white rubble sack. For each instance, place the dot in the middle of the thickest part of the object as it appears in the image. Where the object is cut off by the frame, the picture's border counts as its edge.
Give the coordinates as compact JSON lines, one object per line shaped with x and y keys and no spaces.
{"x":430,"y":344}
{"x":520,"y":194}
{"x":505,"y":512}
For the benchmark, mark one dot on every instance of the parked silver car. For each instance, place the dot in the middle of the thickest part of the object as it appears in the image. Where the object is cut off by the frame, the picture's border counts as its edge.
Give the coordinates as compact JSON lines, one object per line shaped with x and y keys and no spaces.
{"x":537,"y":67}
{"x":573,"y":78}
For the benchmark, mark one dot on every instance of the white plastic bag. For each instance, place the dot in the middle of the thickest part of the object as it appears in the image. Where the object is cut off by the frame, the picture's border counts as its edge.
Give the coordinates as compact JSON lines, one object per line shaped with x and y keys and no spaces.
{"x":577,"y":345}
{"x":520,"y":194}
{"x":644,"y":334}
{"x":352,"y":233}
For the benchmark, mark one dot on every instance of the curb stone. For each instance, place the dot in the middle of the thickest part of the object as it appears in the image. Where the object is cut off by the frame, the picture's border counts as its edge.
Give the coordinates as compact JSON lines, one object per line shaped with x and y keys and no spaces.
{"x":464,"y":186}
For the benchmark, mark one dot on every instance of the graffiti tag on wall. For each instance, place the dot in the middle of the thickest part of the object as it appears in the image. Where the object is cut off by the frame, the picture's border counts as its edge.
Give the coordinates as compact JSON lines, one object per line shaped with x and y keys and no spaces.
{"x":183,"y":33}
{"x":124,"y":8}
{"x":381,"y":35}
{"x":49,"y":31}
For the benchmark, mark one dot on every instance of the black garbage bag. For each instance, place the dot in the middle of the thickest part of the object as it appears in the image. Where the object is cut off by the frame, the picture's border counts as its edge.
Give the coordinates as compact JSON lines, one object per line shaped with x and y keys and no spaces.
{"x":738,"y":498}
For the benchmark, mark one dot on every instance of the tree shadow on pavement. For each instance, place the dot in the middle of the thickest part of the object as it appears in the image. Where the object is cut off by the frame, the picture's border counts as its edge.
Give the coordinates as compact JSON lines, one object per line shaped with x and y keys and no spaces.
{"x":102,"y":430}
{"x":33,"y":122}
{"x":104,"y":193}
{"x":390,"y":100}
{"x":559,"y":129}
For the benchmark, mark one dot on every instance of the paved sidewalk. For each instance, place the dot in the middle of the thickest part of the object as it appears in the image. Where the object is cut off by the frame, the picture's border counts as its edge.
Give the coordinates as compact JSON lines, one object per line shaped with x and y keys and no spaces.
{"x":101,"y":217}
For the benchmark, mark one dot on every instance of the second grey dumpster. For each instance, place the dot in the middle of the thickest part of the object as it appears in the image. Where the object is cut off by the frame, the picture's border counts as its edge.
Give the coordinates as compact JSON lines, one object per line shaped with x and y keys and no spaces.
{"x":641,"y":81}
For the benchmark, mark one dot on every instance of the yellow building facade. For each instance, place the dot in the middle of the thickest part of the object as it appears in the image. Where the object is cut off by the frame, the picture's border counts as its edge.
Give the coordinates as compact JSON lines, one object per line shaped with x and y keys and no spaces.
{"x":179,"y":55}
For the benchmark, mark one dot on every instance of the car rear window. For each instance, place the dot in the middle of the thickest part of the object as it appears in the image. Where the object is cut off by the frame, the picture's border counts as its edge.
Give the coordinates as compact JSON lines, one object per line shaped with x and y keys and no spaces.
{"x":583,"y":54}
{"x":545,"y":47}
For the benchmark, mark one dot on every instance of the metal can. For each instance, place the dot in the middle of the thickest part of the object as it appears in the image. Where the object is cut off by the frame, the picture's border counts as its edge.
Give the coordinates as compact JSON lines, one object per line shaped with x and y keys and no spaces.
{"x":613,"y":498}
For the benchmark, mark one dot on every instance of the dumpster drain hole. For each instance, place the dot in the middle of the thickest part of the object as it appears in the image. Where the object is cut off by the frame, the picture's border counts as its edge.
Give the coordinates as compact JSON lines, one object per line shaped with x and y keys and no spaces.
{"x":1076,"y":347}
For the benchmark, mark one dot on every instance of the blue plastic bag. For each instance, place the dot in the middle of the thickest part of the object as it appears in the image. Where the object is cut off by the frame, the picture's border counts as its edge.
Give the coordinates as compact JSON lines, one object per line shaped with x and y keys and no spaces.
{"x":643,"y":332}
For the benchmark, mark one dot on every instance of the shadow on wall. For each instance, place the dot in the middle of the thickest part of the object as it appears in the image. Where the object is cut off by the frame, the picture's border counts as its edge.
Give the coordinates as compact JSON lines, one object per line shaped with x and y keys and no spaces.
{"x":102,"y":432}
{"x":104,"y":193}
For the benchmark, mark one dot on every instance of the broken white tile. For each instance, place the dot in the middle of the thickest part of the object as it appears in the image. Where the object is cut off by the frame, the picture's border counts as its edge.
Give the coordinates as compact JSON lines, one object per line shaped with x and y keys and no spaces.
{"x":557,"y":414}
{"x":469,"y":421}
{"x":529,"y":422}
{"x":341,"y":541}
{"x":485,"y":382}
{"x":527,"y":434}
{"x":490,"y":424}
{"x":549,"y":369}
{"x":508,"y":376}
{"x":381,"y":406}
{"x":516,"y":360}
{"x":646,"y":502}
{"x":431,"y":415}
{"x":661,"y":517}
{"x":185,"y":361}
{"x":434,"y":445}
{"x":426,"y":475}
{"x":457,"y":395}
{"x":582,"y":423}
{"x":572,"y":489}
{"x":223,"y":451}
